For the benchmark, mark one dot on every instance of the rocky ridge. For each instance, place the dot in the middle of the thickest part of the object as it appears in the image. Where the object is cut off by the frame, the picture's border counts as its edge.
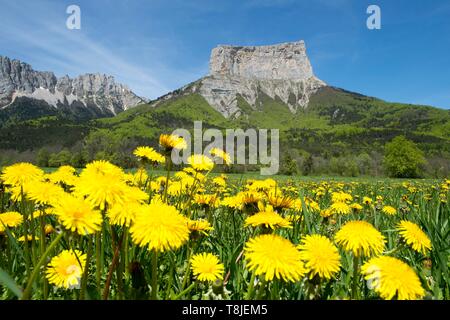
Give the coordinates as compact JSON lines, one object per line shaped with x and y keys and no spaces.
{"x":18,"y":79}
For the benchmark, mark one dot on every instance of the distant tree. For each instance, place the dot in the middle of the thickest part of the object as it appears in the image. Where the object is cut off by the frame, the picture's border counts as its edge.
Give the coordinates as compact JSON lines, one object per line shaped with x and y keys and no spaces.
{"x":363,"y":162}
{"x":42,"y":157}
{"x":402,"y":158}
{"x":60,"y":159}
{"x":307,"y":165}
{"x":289,"y":166}
{"x":78,"y":159}
{"x":53,"y":160}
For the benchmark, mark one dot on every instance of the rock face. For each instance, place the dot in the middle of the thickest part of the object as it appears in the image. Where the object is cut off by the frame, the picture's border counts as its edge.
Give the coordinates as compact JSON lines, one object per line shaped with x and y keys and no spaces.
{"x":18,"y":79}
{"x":280,"y":71}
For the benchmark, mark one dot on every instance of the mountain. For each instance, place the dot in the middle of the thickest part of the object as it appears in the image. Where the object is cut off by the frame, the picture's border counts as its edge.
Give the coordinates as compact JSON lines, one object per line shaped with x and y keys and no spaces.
{"x":28,"y":94}
{"x":247,"y":87}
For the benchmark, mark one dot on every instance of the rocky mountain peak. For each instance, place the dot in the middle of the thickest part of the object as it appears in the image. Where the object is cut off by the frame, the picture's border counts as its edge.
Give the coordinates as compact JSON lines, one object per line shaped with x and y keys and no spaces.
{"x":280,"y":71}
{"x":286,"y":61}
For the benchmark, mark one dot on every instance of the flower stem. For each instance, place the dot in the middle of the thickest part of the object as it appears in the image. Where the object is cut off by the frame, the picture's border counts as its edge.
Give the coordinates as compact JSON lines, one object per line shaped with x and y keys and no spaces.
{"x":111,"y":268}
{"x":355,"y":277}
{"x":251,"y":286}
{"x":27,"y":293}
{"x":154,"y":275}
{"x":169,"y":167}
{"x":182,"y":293}
{"x":86,"y":270}
{"x":98,"y":259}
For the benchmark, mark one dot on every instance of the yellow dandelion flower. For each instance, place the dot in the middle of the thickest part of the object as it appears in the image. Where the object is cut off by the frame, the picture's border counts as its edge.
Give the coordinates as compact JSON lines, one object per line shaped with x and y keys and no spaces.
{"x":220,"y":182}
{"x":10,"y":219}
{"x":44,"y":192}
{"x":200,"y":162}
{"x":389,"y":210}
{"x":326,"y":213}
{"x":106,"y":188}
{"x":201,"y":226}
{"x":20,"y":174}
{"x":210,"y":200}
{"x":172,"y":141}
{"x":356,"y":206}
{"x":48,"y":229}
{"x":77,"y":215}
{"x":149,"y":154}
{"x":392,"y":278}
{"x":361,"y":238}
{"x":64,"y":174}
{"x":279,"y":201}
{"x":207,"y":267}
{"x":341,"y":197}
{"x":414,"y":236}
{"x":340,"y":208}
{"x":159,"y":226}
{"x":320,"y":255}
{"x":367,"y":200}
{"x":267,"y":218}
{"x":273,"y":256}
{"x":102,"y":167}
{"x":222,"y":155}
{"x":66,"y":269}
{"x":123,"y":214}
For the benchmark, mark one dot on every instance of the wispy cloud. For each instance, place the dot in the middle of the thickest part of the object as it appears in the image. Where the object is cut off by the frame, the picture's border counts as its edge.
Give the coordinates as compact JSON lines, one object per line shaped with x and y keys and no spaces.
{"x":75,"y":52}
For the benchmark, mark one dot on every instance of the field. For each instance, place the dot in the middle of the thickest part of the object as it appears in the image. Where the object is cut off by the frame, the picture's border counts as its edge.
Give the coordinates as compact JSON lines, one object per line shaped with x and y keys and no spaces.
{"x":105,"y":233}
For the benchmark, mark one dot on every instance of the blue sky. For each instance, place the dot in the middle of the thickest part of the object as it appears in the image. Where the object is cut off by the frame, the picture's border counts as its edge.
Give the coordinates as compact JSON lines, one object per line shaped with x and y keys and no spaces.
{"x":156,"y":46}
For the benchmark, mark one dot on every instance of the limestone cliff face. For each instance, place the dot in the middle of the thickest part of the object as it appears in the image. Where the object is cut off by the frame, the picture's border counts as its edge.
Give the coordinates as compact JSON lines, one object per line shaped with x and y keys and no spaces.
{"x":280,"y":71}
{"x":18,"y":79}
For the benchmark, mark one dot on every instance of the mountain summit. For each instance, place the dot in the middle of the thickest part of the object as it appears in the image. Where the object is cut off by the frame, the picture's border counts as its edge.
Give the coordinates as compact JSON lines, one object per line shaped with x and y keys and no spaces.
{"x":95,"y":94}
{"x":281,"y":70}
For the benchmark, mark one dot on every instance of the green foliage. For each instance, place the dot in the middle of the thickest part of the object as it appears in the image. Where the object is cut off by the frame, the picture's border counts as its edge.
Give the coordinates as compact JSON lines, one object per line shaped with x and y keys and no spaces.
{"x":307,"y":165}
{"x":289,"y":166}
{"x":42,"y":158}
{"x":62,"y":158}
{"x":403,"y":159}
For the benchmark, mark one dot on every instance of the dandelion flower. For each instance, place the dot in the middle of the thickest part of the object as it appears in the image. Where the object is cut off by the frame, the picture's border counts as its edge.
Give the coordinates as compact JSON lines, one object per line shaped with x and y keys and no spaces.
{"x":10,"y":219}
{"x":65,"y":270}
{"x":219,"y":153}
{"x":20,"y":174}
{"x":273,"y":256}
{"x":77,"y":215}
{"x":361,"y":238}
{"x":267,"y":218}
{"x":172,"y":141}
{"x":159,"y":226}
{"x":356,"y":206}
{"x":200,"y":162}
{"x":392,"y":278}
{"x":389,"y":210}
{"x":149,"y":154}
{"x":123,"y":215}
{"x":64,"y":174}
{"x":341,"y":208}
{"x":201,"y":226}
{"x":207,"y":267}
{"x":341,"y":197}
{"x":44,"y":192}
{"x":367,"y":200}
{"x":414,"y":236}
{"x":320,"y":255}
